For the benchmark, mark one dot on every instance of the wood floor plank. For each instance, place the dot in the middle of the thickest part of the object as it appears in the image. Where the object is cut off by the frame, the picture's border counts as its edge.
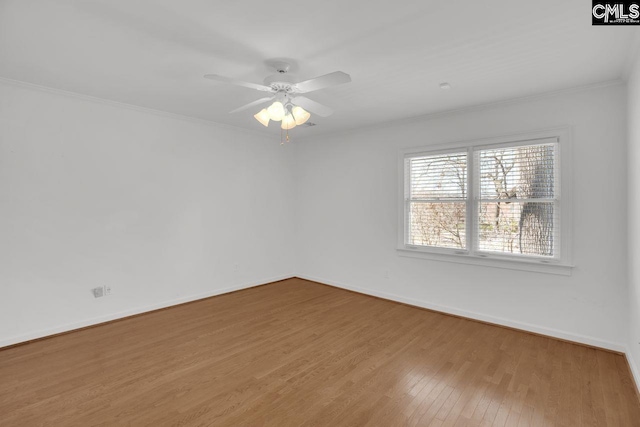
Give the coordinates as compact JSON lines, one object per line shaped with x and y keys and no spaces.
{"x":297,"y":353}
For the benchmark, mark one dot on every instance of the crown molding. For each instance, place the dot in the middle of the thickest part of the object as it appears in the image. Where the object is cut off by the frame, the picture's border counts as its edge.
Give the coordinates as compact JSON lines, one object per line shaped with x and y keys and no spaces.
{"x":305,"y":138}
{"x":118,"y":104}
{"x":466,"y":109}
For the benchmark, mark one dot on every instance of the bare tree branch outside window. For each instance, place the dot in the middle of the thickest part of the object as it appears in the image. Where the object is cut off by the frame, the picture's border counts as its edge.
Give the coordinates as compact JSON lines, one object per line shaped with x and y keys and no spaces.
{"x":516,"y":207}
{"x":438,"y":200}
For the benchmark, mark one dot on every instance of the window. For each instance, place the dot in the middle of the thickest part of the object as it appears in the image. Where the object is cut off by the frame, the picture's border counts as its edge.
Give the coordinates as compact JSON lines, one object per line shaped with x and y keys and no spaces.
{"x":493,"y":202}
{"x":517,"y":201}
{"x":437,"y":200}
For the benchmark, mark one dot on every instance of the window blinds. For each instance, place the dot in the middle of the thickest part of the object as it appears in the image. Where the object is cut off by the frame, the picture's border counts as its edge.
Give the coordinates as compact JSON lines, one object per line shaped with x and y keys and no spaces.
{"x":437,"y":200}
{"x":513,"y":206}
{"x":518,"y":209}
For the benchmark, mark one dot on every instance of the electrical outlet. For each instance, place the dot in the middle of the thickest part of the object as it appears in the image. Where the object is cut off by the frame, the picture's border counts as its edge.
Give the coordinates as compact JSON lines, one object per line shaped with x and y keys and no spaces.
{"x":107,"y":290}
{"x":98,"y":292}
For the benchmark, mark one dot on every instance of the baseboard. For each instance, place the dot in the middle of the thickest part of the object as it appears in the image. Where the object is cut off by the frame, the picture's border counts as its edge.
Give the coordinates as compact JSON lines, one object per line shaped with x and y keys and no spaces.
{"x":499,"y":321}
{"x":635,"y":372}
{"x":70,"y":327}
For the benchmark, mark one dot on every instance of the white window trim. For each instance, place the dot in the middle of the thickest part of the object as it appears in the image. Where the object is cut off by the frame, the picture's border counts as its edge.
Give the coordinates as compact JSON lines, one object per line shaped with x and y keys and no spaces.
{"x":562,"y":264}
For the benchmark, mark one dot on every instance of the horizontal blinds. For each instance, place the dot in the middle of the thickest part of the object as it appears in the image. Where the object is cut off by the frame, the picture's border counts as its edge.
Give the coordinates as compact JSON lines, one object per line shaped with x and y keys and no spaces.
{"x":442,"y":176}
{"x":526,"y":172}
{"x":436,"y":200}
{"x":518,"y":208}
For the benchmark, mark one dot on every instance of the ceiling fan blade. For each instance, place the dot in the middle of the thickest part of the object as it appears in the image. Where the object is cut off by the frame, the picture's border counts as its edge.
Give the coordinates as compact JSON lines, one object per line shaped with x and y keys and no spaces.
{"x":238,"y":82}
{"x":251,"y":104}
{"x":312,"y":106}
{"x":328,"y":80}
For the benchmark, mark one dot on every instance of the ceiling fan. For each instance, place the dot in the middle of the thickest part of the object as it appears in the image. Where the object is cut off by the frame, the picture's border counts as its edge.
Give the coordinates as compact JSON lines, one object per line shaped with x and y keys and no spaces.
{"x":288,"y":105}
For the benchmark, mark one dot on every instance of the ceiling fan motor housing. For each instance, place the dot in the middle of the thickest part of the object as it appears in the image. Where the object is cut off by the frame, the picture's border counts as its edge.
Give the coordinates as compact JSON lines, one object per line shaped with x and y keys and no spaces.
{"x":282,"y":82}
{"x":286,"y":89}
{"x":283,"y":97}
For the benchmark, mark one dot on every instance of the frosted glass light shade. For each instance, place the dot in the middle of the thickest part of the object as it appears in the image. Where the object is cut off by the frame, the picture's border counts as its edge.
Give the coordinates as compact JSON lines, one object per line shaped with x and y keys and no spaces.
{"x":288,"y":122}
{"x":263,"y":117}
{"x":276,"y":111}
{"x":300,"y":114}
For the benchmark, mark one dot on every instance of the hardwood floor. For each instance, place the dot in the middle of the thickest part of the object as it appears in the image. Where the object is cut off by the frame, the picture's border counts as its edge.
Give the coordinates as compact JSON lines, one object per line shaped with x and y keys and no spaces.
{"x":297,"y":353}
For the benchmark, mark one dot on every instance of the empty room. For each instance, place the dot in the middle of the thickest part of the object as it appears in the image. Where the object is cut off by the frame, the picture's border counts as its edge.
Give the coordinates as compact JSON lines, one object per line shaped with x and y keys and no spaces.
{"x":336,"y":213}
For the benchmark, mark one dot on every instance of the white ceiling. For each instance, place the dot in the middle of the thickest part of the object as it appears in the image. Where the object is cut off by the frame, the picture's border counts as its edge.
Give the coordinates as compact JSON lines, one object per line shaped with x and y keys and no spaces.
{"x":153,"y":53}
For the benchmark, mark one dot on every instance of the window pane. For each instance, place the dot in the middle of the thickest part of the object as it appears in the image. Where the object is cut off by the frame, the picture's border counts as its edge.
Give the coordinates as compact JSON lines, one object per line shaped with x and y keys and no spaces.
{"x":439,"y":176}
{"x":525,"y":228}
{"x":437,"y":224}
{"x":518,"y":172}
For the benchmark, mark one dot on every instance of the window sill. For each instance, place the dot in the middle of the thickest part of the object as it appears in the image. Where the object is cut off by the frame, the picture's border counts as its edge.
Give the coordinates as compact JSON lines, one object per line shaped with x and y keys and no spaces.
{"x":490,"y":261}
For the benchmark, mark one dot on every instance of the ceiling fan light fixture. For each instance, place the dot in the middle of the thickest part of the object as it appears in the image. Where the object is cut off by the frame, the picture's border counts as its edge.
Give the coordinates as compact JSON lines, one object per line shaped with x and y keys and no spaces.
{"x":276,"y":111}
{"x":300,"y":115}
{"x":284,"y":98}
{"x":263,"y":117}
{"x":288,"y":122}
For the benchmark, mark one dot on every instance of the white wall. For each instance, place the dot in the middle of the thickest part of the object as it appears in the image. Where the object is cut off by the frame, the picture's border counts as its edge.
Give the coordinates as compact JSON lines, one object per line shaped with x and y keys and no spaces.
{"x":162,"y":209}
{"x":346,"y":219}
{"x":159,"y":207}
{"x":633,"y":113}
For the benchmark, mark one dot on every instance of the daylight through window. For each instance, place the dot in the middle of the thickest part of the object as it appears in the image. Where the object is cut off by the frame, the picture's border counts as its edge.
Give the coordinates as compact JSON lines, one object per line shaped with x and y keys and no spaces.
{"x":501,"y":199}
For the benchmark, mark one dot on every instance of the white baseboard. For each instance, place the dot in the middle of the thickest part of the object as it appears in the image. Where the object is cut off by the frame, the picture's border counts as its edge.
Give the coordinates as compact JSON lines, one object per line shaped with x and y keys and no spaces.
{"x":555,"y":333}
{"x":635,"y":372}
{"x":126,"y":313}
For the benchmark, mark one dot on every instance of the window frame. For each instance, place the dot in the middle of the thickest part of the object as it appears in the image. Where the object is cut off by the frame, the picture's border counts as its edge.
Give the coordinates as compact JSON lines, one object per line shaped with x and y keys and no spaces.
{"x":407,"y":202}
{"x":560,"y":263}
